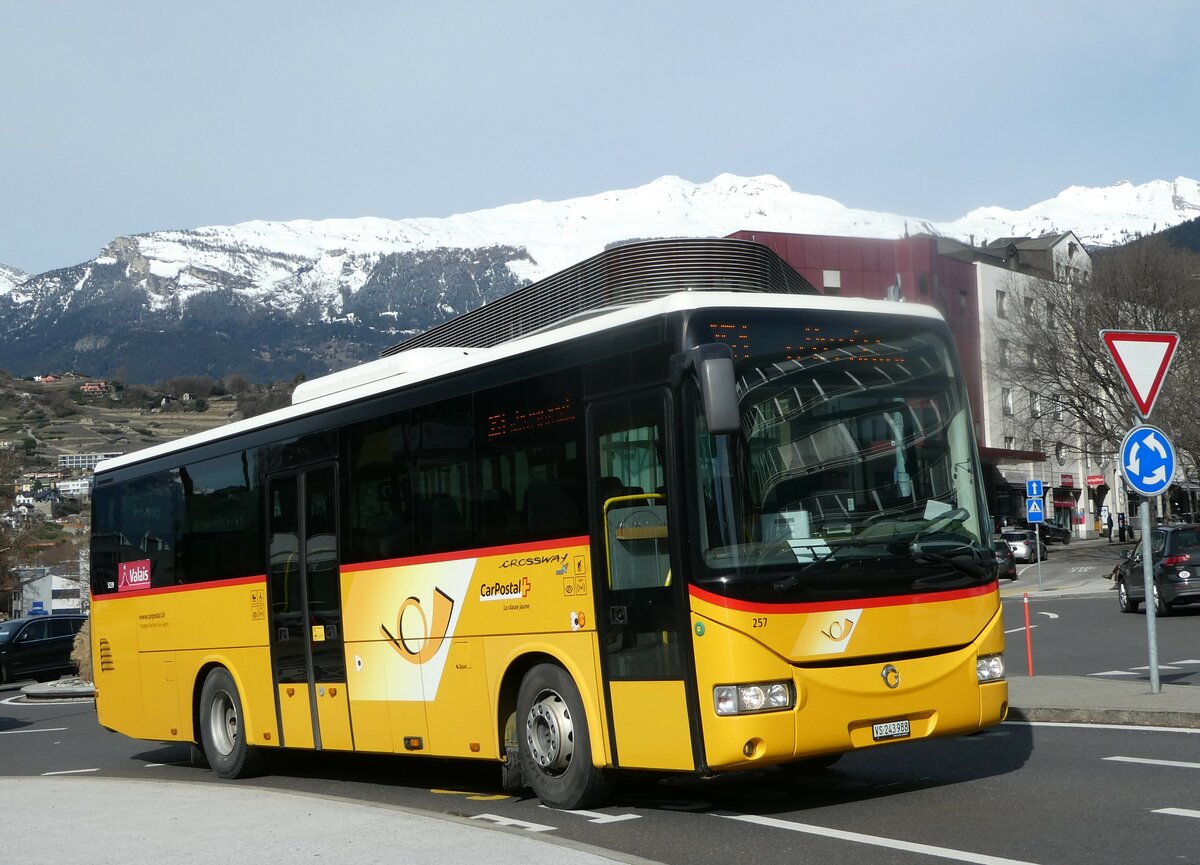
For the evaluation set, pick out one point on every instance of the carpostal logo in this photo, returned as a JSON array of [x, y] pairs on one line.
[[499, 591]]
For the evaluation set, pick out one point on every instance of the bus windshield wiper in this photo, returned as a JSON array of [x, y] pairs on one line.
[[968, 568], [790, 582]]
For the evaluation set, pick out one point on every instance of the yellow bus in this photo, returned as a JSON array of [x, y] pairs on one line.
[[669, 509]]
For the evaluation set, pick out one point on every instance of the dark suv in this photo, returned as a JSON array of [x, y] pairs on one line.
[[1052, 531], [1175, 564], [38, 647]]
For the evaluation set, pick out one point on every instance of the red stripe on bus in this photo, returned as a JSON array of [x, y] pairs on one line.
[[183, 587], [457, 555], [825, 606]]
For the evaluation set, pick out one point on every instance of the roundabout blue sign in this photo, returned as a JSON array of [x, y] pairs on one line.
[[1147, 460]]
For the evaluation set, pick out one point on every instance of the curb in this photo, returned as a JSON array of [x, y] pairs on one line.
[[1106, 717], [63, 689]]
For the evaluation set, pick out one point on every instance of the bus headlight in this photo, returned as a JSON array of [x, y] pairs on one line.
[[989, 668], [755, 697]]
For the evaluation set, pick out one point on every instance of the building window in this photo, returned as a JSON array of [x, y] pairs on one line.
[[1010, 443], [1035, 404], [1058, 407], [1060, 452], [1005, 358], [1000, 305], [1036, 445], [832, 281], [1006, 400]]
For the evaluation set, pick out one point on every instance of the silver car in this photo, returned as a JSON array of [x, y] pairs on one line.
[[1024, 544]]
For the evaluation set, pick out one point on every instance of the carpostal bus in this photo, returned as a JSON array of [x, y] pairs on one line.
[[667, 510]]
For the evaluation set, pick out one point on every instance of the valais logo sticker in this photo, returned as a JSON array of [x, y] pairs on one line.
[[132, 576]]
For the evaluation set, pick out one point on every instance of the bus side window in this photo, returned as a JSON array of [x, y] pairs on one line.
[[551, 508]]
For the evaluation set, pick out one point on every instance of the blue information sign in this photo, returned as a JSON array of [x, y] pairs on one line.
[[1147, 460], [1035, 511], [1033, 490]]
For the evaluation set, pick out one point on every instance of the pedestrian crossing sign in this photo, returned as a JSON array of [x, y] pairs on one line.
[[1034, 512]]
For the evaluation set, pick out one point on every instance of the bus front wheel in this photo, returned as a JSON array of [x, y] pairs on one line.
[[555, 747], [223, 728]]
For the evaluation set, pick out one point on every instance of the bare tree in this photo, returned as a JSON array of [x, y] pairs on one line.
[[1065, 370]]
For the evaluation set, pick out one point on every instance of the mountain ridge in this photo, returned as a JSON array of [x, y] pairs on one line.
[[270, 299]]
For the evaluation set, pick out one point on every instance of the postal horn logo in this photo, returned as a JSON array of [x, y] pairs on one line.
[[839, 629], [416, 639]]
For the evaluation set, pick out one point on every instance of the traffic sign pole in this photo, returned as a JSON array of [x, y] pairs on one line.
[[1151, 612], [1148, 464], [1147, 457], [1035, 513]]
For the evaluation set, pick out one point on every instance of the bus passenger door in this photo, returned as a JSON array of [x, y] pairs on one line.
[[306, 611], [640, 619]]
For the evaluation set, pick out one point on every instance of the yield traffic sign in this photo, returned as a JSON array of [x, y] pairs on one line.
[[1142, 357]]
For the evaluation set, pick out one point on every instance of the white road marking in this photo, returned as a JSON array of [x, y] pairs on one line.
[[1049, 615], [1179, 764], [1177, 812], [72, 772], [1080, 726], [874, 840], [1192, 661], [1160, 666], [518, 824], [1018, 630], [39, 730], [1114, 673], [595, 816]]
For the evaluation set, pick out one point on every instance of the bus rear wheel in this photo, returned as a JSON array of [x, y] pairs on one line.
[[223, 729], [555, 747]]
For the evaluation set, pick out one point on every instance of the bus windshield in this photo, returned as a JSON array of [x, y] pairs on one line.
[[855, 472]]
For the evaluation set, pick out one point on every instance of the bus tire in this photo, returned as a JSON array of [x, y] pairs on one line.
[[223, 729], [554, 743]]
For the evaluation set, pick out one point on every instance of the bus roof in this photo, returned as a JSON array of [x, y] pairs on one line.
[[405, 369]]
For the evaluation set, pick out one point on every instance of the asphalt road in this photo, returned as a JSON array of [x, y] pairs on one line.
[[1076, 628], [1043, 794]]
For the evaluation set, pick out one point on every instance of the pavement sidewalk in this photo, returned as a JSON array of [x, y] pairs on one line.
[[122, 821]]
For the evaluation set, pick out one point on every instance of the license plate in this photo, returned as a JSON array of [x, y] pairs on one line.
[[891, 730]]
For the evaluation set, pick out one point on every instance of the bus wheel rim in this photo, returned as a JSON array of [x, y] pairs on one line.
[[550, 733], [223, 723]]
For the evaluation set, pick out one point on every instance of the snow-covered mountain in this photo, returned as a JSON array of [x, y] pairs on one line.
[[272, 298], [10, 278]]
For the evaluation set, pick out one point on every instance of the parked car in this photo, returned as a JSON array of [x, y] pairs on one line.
[[1024, 544], [1006, 562], [1055, 532], [1052, 531], [37, 647], [1174, 564]]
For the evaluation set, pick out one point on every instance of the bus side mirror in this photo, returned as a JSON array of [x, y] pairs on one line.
[[713, 365]]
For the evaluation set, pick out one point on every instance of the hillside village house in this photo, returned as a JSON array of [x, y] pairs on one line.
[[968, 284]]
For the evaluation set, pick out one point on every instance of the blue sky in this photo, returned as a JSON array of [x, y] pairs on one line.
[[127, 117]]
